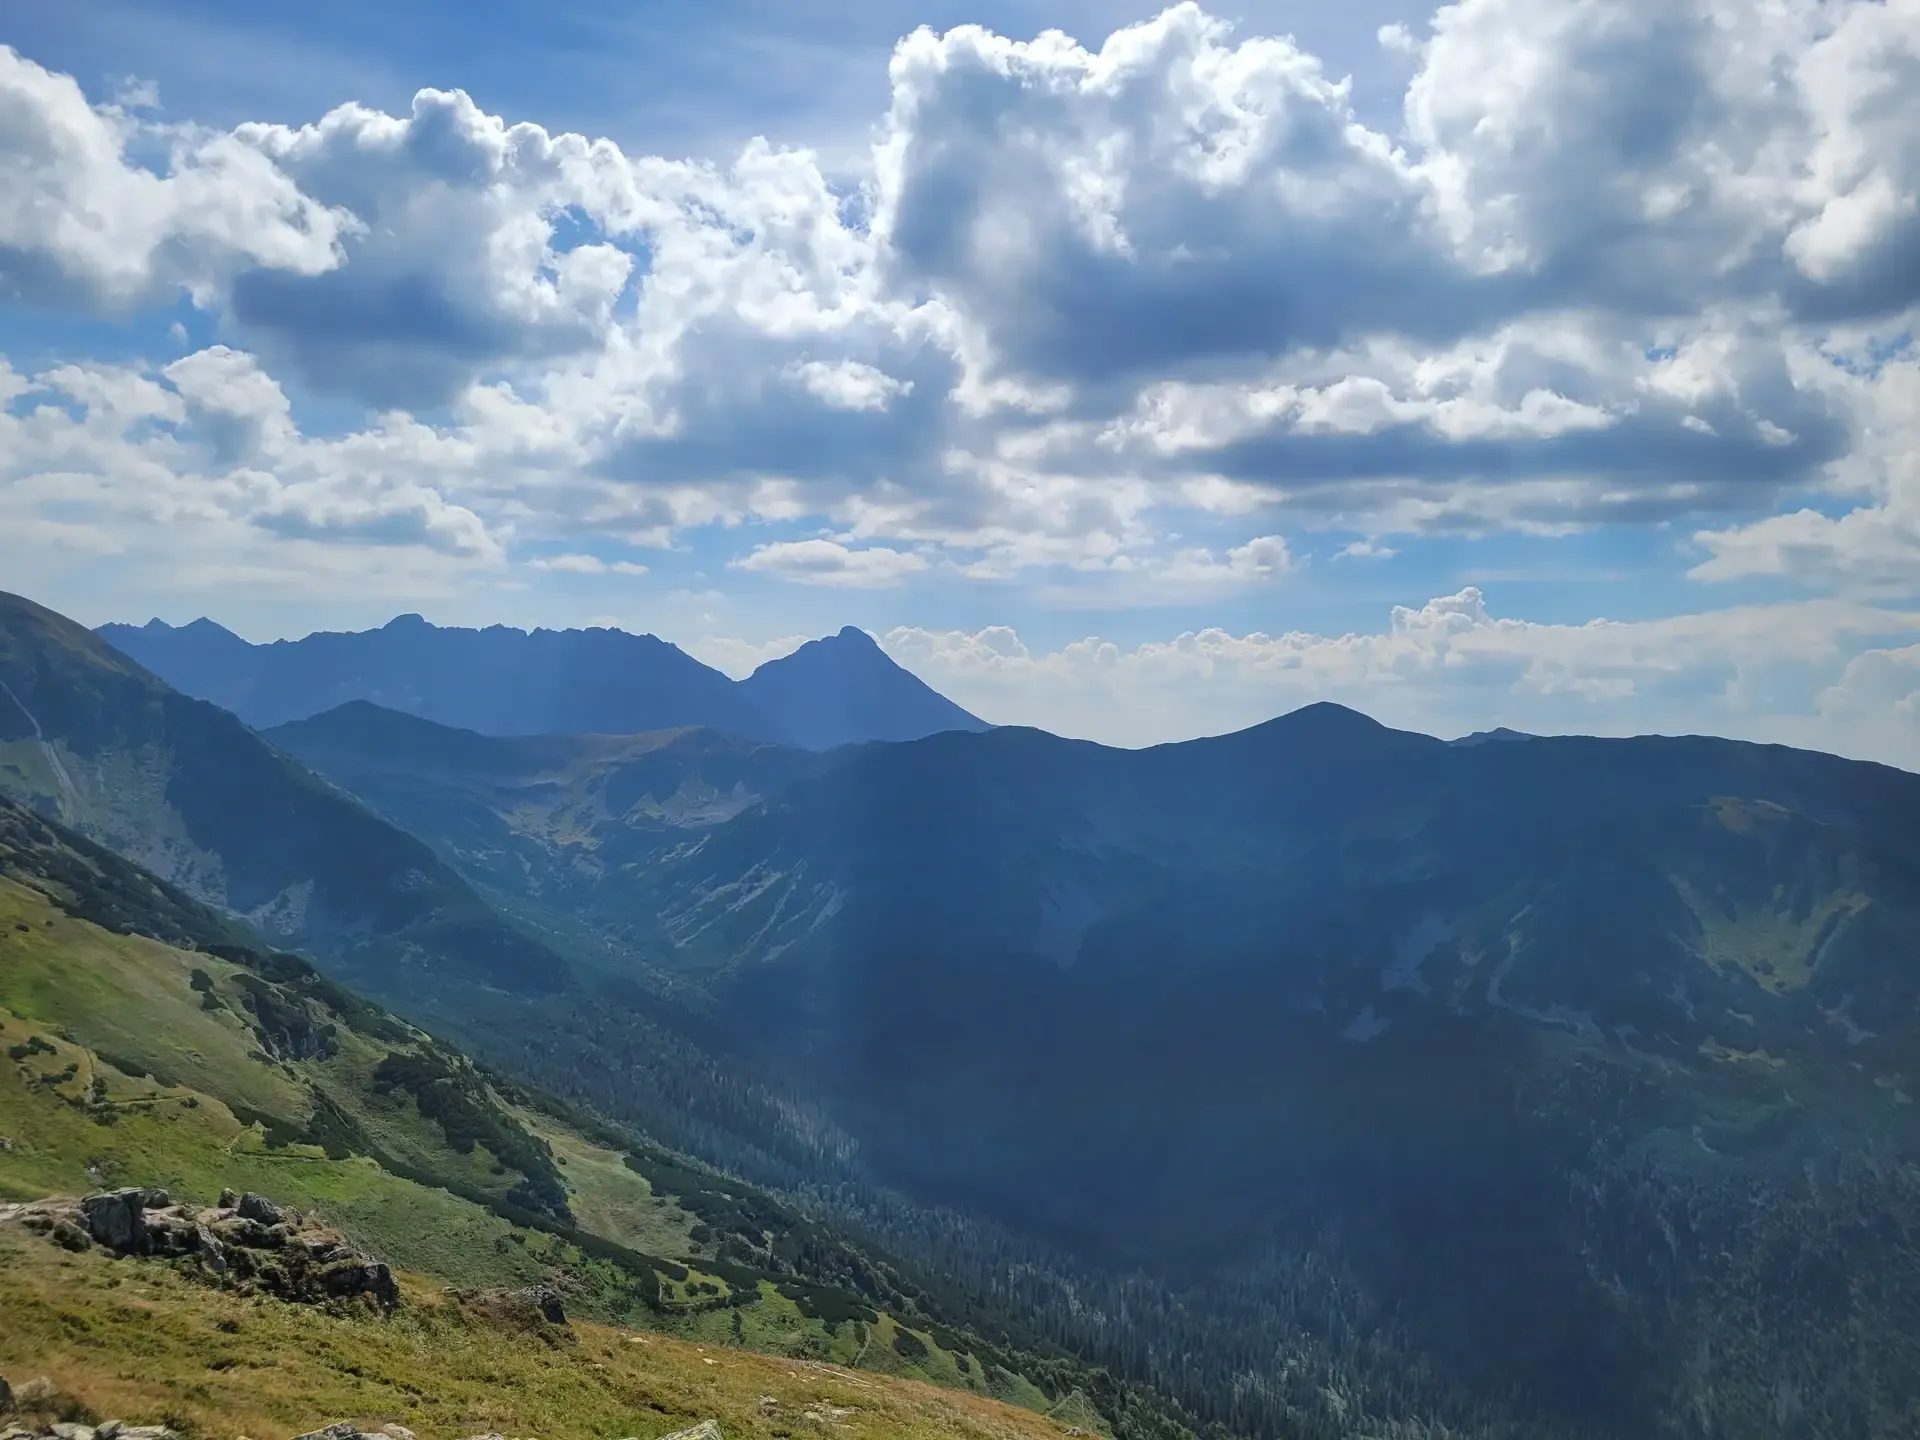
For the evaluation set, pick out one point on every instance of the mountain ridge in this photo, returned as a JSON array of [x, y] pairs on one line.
[[504, 681]]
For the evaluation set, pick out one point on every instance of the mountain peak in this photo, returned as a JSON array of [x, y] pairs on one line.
[[1500, 734], [844, 688]]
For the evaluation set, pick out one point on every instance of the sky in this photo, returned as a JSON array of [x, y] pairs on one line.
[[1137, 374]]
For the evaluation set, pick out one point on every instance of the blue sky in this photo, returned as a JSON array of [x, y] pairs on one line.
[[1510, 361]]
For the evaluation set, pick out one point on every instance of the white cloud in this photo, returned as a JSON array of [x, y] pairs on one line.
[[81, 219], [849, 385], [1875, 545], [1878, 684], [200, 468], [740, 658], [1449, 666], [1191, 261], [1367, 549], [828, 562], [577, 564]]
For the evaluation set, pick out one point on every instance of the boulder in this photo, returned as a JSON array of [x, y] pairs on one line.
[[547, 1301], [339, 1430], [114, 1219], [212, 1253], [259, 1208]]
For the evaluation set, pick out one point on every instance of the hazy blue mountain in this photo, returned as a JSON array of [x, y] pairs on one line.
[[499, 680], [555, 827], [1584, 1068], [502, 681], [844, 689], [1498, 735], [181, 787]]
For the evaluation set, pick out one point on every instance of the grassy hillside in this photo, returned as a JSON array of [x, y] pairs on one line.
[[141, 1340], [182, 1058]]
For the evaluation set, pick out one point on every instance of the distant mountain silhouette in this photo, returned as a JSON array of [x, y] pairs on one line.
[[499, 681], [503, 681], [1498, 735], [844, 689]]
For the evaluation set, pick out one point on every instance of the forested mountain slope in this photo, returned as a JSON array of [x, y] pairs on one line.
[[151, 1042], [1551, 1051]]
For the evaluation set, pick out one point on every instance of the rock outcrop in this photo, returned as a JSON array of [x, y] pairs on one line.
[[68, 1430], [347, 1430], [246, 1241]]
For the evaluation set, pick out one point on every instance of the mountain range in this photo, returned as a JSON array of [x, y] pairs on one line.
[[503, 681], [1321, 1079]]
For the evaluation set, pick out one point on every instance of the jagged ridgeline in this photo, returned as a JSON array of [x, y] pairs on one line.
[[151, 1041]]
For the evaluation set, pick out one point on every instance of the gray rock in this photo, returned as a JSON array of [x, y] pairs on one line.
[[67, 1430], [259, 1208], [228, 1199], [212, 1253], [148, 1432], [114, 1219], [112, 1430], [705, 1430], [339, 1430], [396, 1432]]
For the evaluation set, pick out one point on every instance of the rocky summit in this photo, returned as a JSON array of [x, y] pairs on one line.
[[245, 1241]]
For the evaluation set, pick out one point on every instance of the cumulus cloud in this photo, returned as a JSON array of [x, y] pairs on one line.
[[577, 564], [203, 456], [849, 385], [1875, 544], [83, 222], [1451, 665], [1878, 684], [740, 658], [1583, 267], [828, 562]]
